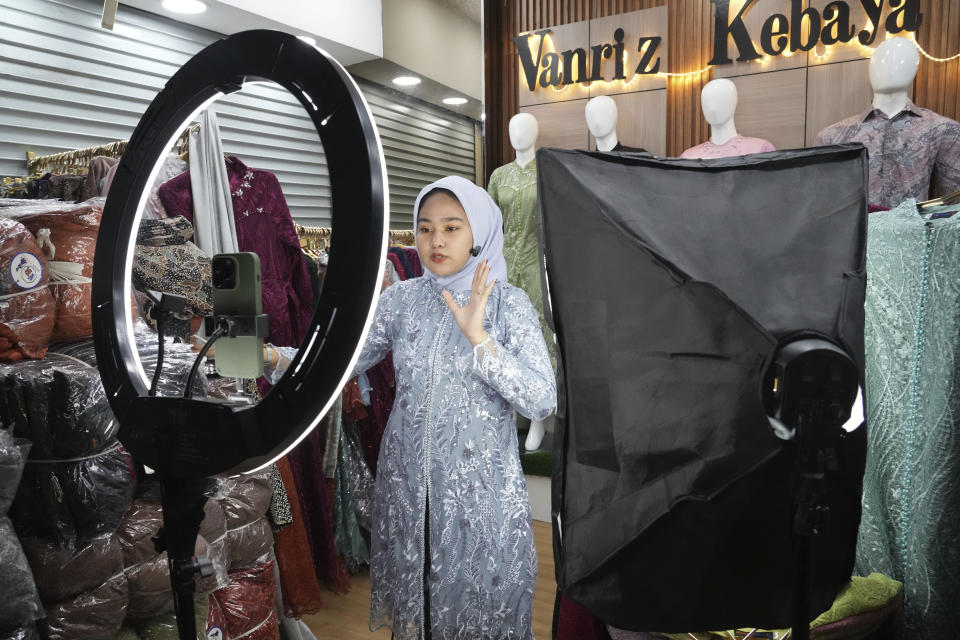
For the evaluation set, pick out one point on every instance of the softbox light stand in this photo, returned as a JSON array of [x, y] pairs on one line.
[[673, 287], [184, 440]]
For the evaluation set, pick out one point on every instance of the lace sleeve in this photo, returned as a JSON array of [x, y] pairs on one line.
[[517, 364]]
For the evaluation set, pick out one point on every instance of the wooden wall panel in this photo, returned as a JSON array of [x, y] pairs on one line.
[[772, 106], [826, 104], [937, 85], [638, 121], [560, 125]]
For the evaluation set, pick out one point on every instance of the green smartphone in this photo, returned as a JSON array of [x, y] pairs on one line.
[[237, 292]]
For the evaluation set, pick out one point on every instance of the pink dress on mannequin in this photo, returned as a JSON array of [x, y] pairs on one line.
[[735, 146]]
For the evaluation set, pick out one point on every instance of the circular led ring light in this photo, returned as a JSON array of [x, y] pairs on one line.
[[195, 438]]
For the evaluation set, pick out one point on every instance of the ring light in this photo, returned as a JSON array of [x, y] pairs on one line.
[[182, 438]]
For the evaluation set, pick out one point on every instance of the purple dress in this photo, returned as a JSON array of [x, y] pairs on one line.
[[265, 227]]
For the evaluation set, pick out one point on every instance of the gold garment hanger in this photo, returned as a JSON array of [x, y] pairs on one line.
[[939, 201]]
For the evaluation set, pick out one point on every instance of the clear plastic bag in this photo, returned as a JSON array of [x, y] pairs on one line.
[[27, 307], [245, 501], [62, 574], [27, 632], [246, 609], [165, 627], [19, 601], [73, 231], [59, 405], [74, 501], [92, 615], [147, 571]]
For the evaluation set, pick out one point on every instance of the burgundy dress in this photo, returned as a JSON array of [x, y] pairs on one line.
[[265, 227]]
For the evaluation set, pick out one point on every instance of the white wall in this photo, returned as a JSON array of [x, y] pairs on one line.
[[354, 23], [435, 40]]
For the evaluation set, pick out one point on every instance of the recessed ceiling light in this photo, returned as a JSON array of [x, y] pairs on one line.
[[308, 40], [454, 101], [184, 6], [406, 81]]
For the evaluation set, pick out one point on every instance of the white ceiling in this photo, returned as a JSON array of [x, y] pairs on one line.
[[469, 8], [350, 35]]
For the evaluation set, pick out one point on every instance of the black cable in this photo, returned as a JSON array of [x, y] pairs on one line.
[[156, 372], [219, 333]]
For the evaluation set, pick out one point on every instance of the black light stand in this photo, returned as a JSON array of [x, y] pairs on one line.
[[809, 391]]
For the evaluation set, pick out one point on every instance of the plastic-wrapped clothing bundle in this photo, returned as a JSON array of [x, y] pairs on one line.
[[165, 627], [93, 615], [61, 574], [27, 308], [245, 608], [59, 405], [19, 602], [177, 361], [147, 572], [77, 500], [23, 633], [73, 231], [213, 529], [245, 503]]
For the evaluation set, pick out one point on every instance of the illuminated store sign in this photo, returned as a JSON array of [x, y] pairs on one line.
[[805, 28]]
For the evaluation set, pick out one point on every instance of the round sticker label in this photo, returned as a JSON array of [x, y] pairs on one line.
[[26, 270], [215, 633]]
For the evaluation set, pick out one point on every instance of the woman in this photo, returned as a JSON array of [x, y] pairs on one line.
[[453, 539]]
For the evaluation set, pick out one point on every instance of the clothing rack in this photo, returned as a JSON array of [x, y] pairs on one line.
[[75, 161], [314, 237]]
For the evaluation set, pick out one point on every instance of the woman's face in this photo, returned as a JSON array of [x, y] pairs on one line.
[[444, 237]]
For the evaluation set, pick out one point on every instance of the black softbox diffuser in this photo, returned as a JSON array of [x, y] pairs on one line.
[[671, 285]]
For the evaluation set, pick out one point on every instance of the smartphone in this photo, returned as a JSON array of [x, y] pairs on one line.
[[237, 292]]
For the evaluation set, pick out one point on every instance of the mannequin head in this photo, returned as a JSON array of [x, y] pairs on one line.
[[523, 131], [894, 65], [719, 101], [601, 114]]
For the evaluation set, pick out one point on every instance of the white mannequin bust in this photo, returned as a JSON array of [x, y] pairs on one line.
[[523, 130], [601, 114], [892, 70], [718, 100]]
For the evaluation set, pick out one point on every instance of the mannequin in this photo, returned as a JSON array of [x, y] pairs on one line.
[[601, 115], [718, 100], [514, 188], [914, 152]]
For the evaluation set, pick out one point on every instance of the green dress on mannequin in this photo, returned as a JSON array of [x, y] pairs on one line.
[[514, 189], [911, 489]]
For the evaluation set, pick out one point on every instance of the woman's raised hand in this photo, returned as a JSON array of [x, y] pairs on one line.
[[470, 316]]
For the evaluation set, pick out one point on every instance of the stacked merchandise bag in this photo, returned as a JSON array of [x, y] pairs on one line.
[[77, 485], [27, 308], [246, 607], [149, 610], [19, 603], [68, 233]]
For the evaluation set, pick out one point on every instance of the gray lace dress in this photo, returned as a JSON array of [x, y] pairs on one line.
[[451, 436]]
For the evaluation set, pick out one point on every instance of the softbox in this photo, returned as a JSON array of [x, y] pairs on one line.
[[671, 284]]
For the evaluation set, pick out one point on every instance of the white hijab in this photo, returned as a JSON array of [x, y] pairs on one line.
[[486, 222]]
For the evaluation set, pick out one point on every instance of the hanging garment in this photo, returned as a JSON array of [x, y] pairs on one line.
[[97, 171], [210, 189], [264, 226], [667, 473], [514, 189], [172, 167], [298, 578], [912, 483], [736, 146], [914, 154], [452, 433]]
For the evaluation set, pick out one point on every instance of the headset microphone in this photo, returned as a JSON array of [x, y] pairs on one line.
[[475, 251]]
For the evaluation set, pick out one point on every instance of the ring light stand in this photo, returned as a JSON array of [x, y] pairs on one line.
[[187, 441]]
